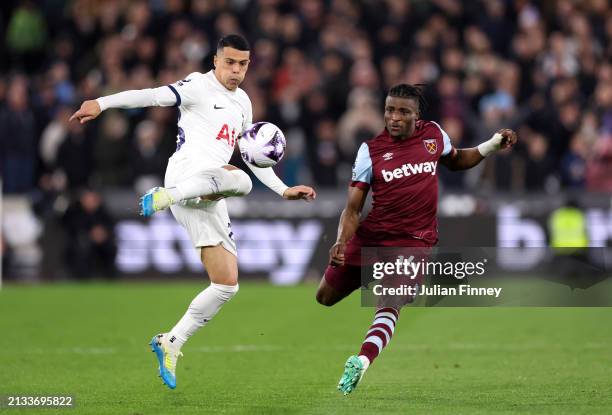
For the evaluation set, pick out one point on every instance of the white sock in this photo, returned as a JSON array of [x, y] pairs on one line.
[[210, 182], [201, 310], [365, 361]]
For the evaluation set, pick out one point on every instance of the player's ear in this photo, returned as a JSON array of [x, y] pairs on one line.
[[215, 61]]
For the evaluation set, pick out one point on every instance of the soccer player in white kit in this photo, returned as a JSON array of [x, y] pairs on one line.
[[213, 112]]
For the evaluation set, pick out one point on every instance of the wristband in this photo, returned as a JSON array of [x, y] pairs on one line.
[[491, 145]]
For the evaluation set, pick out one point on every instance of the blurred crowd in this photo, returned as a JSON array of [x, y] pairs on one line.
[[319, 69]]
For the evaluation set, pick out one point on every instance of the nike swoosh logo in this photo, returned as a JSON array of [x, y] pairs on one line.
[[218, 108]]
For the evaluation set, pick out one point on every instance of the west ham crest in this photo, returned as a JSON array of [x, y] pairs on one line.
[[430, 145]]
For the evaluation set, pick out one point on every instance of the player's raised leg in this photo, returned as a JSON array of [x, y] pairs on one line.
[[377, 338], [337, 283], [222, 269], [210, 183]]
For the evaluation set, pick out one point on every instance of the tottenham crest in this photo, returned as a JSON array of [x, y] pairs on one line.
[[430, 145]]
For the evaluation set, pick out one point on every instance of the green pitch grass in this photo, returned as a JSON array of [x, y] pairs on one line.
[[273, 350]]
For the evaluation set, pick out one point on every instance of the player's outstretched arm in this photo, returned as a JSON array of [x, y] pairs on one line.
[[138, 98], [267, 176], [349, 221], [466, 158]]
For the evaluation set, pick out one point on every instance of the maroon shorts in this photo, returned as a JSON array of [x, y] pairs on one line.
[[343, 278], [347, 278]]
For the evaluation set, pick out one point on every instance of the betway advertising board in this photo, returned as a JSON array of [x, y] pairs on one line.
[[293, 246]]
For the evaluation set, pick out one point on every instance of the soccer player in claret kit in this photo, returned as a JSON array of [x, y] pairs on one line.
[[213, 112], [400, 166]]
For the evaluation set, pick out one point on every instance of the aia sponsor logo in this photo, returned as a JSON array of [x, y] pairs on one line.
[[226, 135], [409, 169], [430, 145]]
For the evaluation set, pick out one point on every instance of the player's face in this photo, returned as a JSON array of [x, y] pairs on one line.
[[231, 66], [401, 115]]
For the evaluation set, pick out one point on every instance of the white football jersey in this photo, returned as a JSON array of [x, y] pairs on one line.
[[211, 118]]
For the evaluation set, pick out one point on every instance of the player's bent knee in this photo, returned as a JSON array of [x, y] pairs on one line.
[[243, 183], [326, 294], [224, 292], [228, 279], [325, 298], [228, 181]]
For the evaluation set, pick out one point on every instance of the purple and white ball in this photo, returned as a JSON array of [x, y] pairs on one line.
[[262, 144]]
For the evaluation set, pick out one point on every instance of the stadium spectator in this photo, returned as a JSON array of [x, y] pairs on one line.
[[539, 166], [73, 162], [26, 36], [90, 244], [18, 139], [573, 164], [361, 121], [325, 153], [111, 152], [147, 159], [53, 136], [599, 169]]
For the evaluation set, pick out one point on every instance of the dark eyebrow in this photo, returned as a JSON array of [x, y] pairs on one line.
[[234, 60]]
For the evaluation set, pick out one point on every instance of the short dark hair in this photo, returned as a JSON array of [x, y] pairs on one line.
[[233, 41], [409, 91]]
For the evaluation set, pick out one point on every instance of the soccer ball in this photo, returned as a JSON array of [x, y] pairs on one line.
[[262, 144]]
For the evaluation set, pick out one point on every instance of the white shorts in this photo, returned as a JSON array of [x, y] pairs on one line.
[[206, 222]]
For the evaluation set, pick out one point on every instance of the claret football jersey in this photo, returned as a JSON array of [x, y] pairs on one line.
[[402, 175]]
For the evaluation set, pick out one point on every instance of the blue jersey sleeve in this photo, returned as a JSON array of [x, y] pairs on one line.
[[448, 146], [362, 169]]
